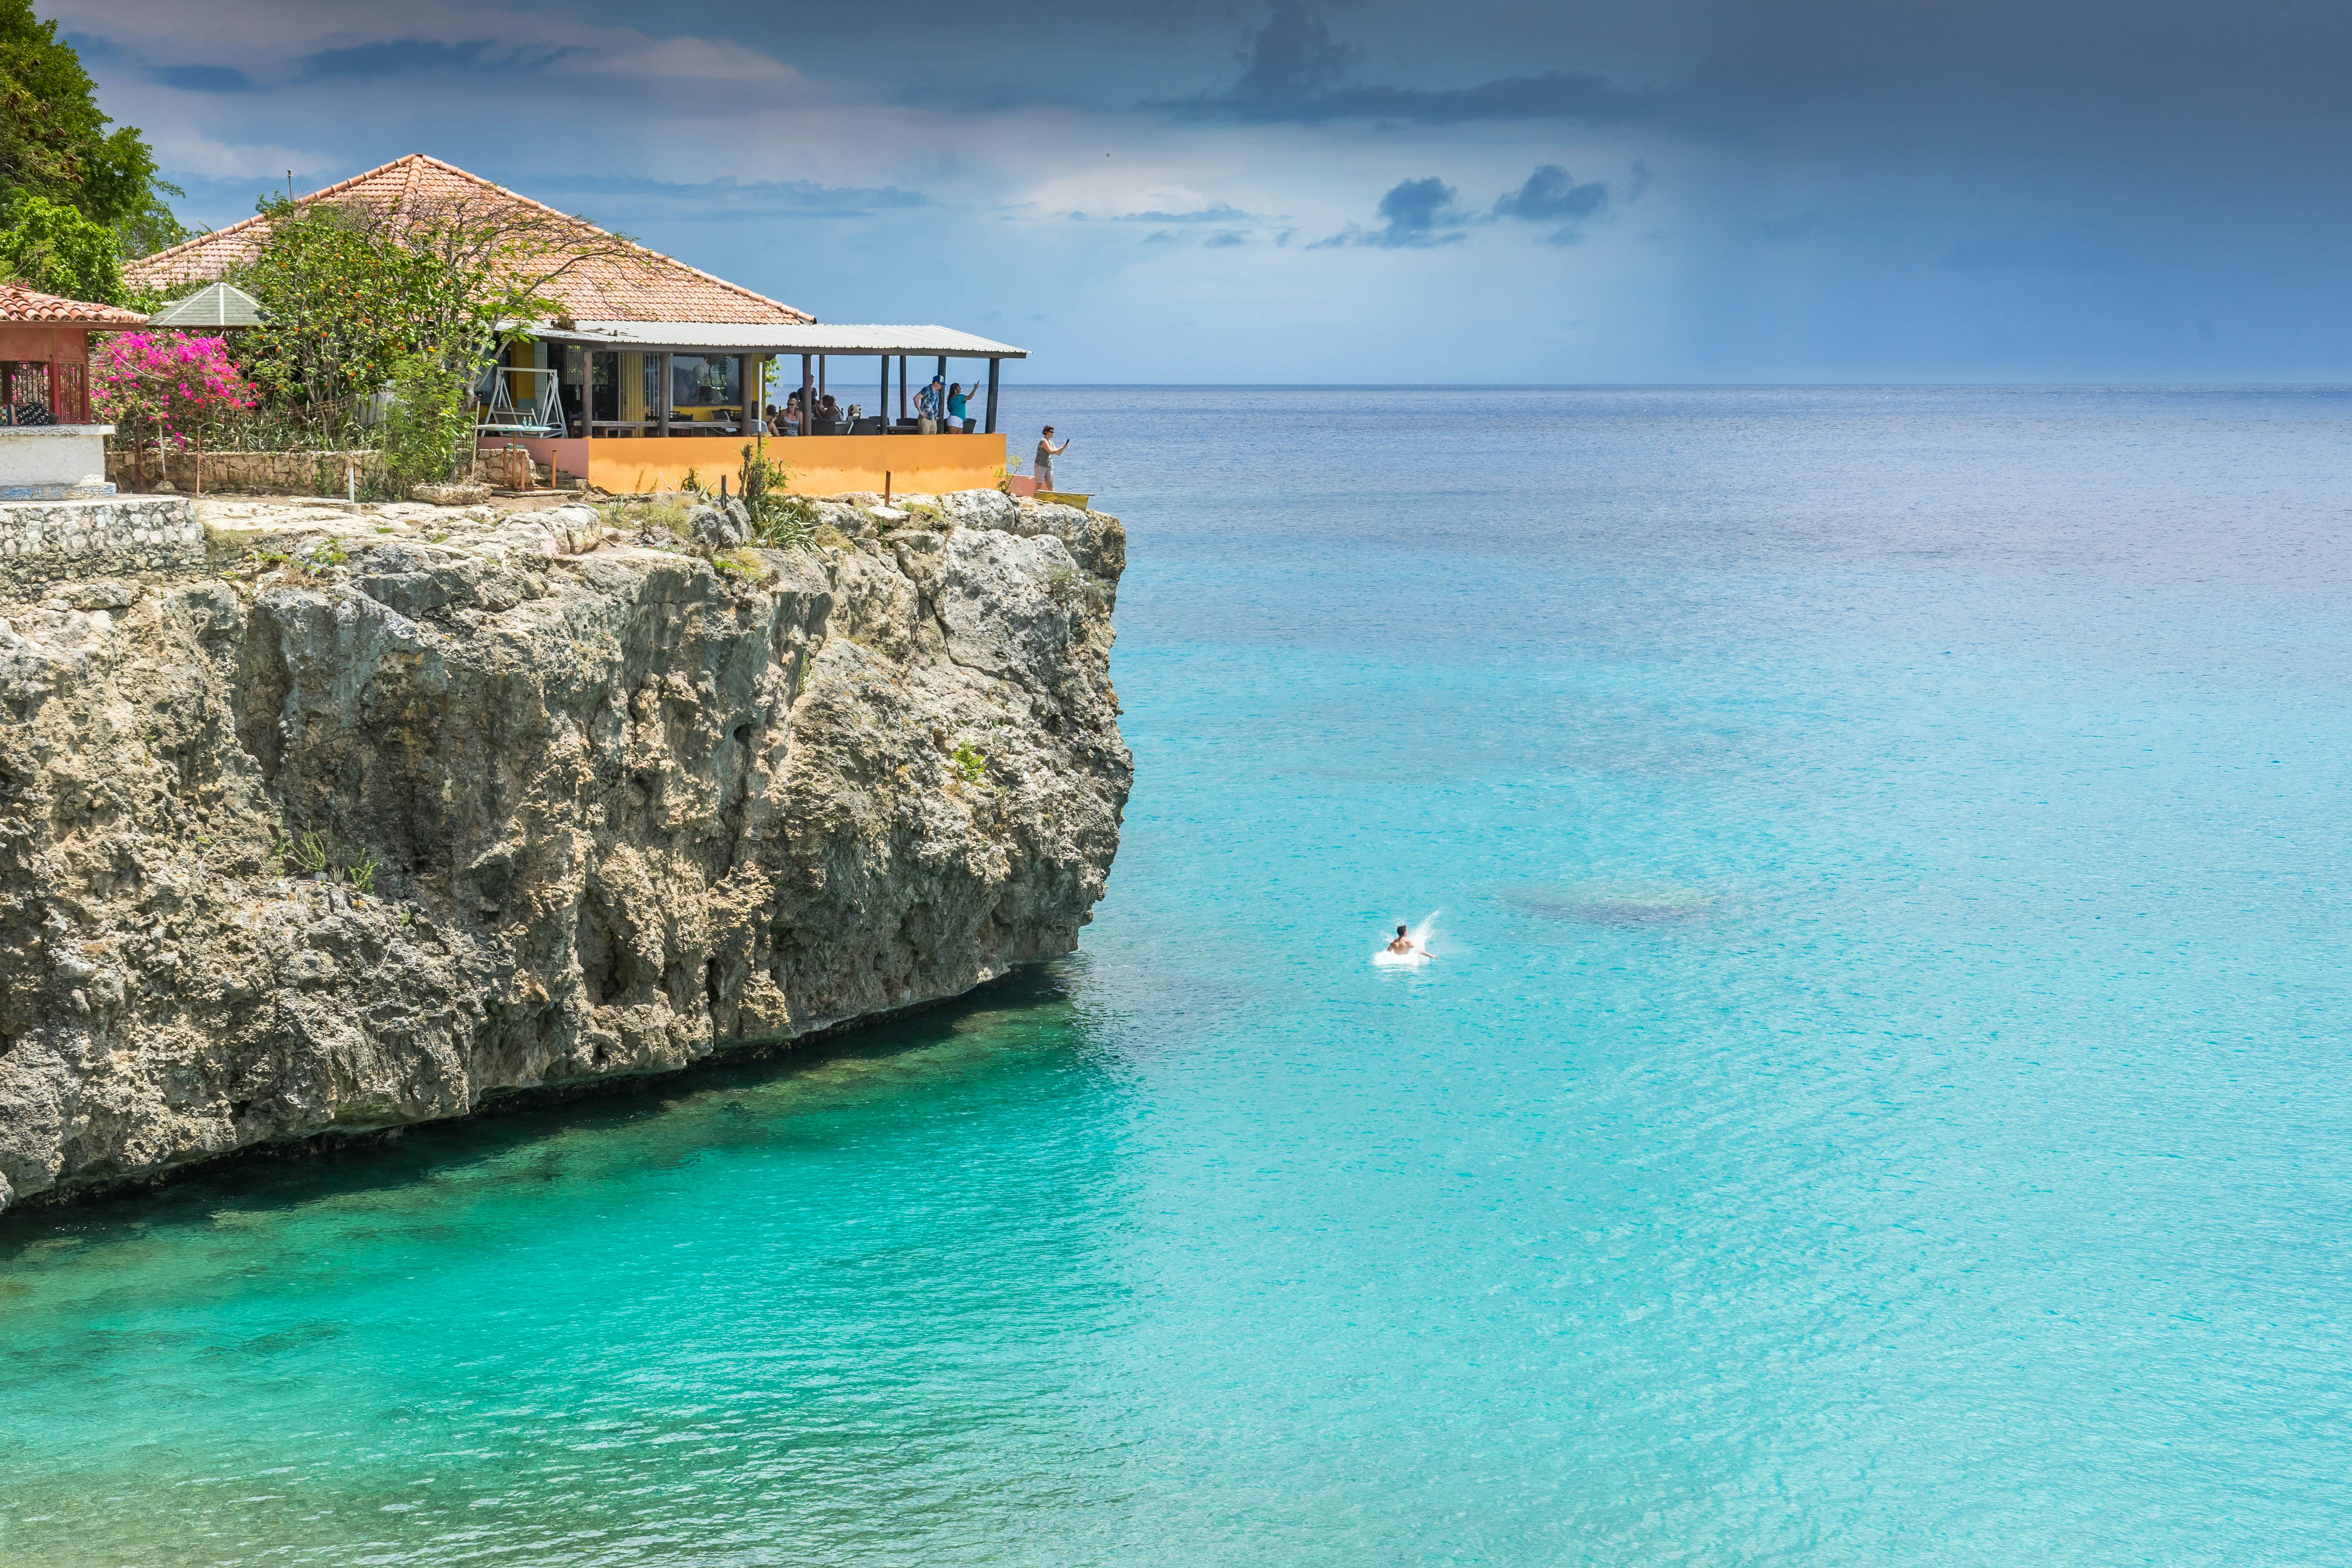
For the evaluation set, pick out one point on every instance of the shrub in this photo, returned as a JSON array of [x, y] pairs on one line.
[[971, 763], [427, 423], [1071, 588], [665, 514], [165, 387], [307, 854], [779, 518]]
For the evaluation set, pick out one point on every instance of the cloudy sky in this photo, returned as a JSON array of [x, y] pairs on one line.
[[1486, 191]]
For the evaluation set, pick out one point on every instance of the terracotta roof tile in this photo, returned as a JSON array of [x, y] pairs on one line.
[[639, 285], [18, 303]]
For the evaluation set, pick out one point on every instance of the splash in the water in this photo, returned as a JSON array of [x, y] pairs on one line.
[[1416, 951]]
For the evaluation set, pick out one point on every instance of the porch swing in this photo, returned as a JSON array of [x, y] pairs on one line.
[[545, 415]]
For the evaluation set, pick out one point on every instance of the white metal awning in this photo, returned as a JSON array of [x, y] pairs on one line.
[[813, 338]]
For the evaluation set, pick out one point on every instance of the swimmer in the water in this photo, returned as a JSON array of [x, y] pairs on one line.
[[1403, 943]]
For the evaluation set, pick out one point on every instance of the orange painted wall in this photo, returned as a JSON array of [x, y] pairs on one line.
[[819, 464]]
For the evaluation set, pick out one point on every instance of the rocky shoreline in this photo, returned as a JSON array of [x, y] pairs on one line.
[[385, 811]]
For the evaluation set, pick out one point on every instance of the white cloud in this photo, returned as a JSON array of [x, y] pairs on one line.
[[202, 155], [694, 59]]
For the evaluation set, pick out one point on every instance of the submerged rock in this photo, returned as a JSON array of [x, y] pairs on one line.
[[411, 822]]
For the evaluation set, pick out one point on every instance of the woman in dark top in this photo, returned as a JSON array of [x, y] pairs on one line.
[[1047, 453]]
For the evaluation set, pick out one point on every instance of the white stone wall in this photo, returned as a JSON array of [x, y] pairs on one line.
[[47, 542], [48, 460]]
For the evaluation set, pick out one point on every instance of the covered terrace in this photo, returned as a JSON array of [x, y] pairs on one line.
[[619, 404]]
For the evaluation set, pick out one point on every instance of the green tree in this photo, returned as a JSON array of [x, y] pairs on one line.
[[427, 423], [58, 250], [54, 140], [343, 307], [350, 290]]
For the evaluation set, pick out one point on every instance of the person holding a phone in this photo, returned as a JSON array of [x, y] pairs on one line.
[[1047, 453]]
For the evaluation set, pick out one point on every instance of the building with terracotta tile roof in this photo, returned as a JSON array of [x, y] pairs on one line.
[[49, 451], [622, 282], [31, 307], [644, 349], [44, 354]]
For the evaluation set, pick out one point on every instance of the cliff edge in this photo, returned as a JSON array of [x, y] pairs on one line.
[[388, 812]]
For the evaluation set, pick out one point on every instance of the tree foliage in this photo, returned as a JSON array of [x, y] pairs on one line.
[[58, 250], [55, 142], [342, 308], [351, 289], [428, 422]]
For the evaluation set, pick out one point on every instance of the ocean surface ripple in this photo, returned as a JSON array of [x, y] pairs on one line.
[[1880, 1099]]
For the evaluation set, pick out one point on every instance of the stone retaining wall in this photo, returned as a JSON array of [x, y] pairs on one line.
[[252, 473], [47, 541]]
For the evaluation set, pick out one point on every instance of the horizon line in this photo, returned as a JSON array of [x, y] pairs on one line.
[[2105, 386]]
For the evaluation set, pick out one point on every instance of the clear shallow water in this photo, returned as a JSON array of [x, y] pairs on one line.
[[1882, 1099]]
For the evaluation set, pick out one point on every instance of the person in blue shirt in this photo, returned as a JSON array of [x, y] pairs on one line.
[[927, 406], [960, 405]]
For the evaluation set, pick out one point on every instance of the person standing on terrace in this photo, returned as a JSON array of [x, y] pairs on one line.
[[1047, 453], [927, 406], [958, 407]]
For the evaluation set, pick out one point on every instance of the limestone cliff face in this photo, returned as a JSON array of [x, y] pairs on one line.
[[626, 809]]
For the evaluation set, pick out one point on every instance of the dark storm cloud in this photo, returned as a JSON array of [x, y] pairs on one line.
[[1930, 72], [1415, 214], [1294, 56], [1296, 69], [1551, 195]]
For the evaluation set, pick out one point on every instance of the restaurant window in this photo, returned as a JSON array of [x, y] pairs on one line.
[[705, 381]]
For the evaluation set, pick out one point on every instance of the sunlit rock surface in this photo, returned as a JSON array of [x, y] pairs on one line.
[[398, 808]]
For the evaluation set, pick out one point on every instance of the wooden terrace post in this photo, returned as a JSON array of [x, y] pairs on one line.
[[820, 378], [665, 391], [902, 387], [808, 403], [882, 398], [995, 365], [743, 394]]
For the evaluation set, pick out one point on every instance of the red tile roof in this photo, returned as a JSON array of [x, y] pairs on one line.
[[18, 303], [633, 285]]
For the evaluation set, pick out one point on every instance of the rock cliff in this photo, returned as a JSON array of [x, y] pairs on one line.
[[404, 810]]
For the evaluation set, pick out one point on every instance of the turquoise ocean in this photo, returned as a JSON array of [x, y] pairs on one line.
[[1882, 1096]]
